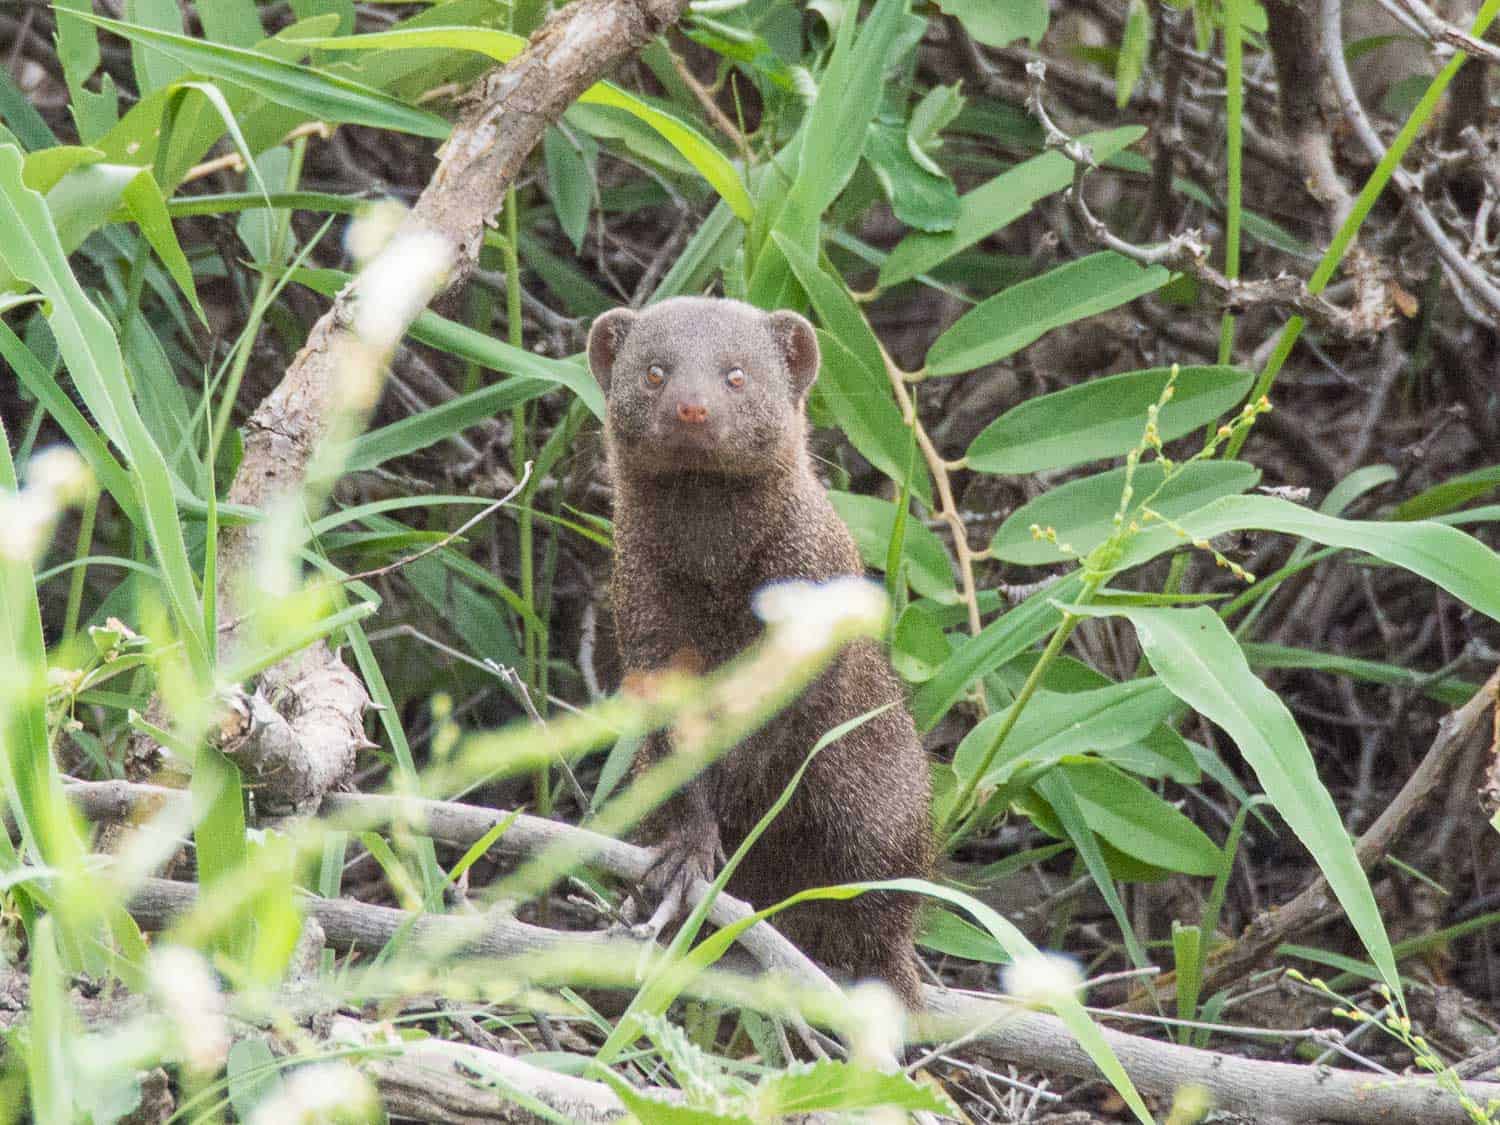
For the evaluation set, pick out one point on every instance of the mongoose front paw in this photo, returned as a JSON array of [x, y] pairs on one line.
[[678, 861]]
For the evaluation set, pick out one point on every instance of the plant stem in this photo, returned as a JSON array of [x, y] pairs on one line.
[[520, 453], [1234, 57], [1054, 648]]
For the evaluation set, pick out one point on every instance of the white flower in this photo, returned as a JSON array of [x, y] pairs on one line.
[[26, 521], [397, 284], [806, 617], [191, 999], [877, 1024], [317, 1093], [59, 473], [372, 228], [1042, 979]]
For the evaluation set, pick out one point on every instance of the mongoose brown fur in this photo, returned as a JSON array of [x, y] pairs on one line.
[[715, 497]]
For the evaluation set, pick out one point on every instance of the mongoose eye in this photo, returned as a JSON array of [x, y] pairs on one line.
[[735, 378], [655, 375]]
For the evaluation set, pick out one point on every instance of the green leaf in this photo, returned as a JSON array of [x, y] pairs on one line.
[[920, 194], [571, 181], [918, 645], [1055, 725], [866, 410], [836, 309], [999, 23], [467, 343], [1443, 555], [1453, 493], [1134, 43], [1103, 418], [94, 112], [32, 252], [502, 46], [253, 1075], [1198, 660], [938, 109], [830, 1084], [143, 199], [872, 522], [1138, 822], [947, 933], [999, 642], [153, 70], [324, 96], [1083, 511], [1010, 320], [997, 203]]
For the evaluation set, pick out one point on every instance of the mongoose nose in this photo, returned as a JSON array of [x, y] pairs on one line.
[[693, 412]]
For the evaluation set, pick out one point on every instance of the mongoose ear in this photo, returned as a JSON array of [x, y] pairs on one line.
[[799, 347], [605, 339]]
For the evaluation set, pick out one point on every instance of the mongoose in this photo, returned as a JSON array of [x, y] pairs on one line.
[[715, 496]]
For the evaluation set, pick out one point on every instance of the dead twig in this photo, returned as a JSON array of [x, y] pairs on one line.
[[1186, 252]]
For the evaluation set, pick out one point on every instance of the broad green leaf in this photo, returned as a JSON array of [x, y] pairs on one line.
[[918, 645], [153, 70], [836, 310], [1197, 659], [920, 196], [571, 181], [995, 204], [999, 23], [999, 642], [1443, 555], [1138, 822], [1103, 418], [872, 522], [143, 199], [1054, 725], [826, 150], [1010, 320], [502, 46], [833, 135], [866, 410], [831, 1084], [1083, 511], [938, 109], [45, 167], [947, 933], [94, 112], [235, 22], [32, 252], [252, 1074], [325, 96]]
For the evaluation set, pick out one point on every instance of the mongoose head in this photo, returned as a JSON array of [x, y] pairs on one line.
[[706, 385]]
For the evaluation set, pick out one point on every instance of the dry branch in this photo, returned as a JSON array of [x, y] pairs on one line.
[[1271, 1093], [1262, 1091], [460, 825], [509, 110], [1025, 1038]]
